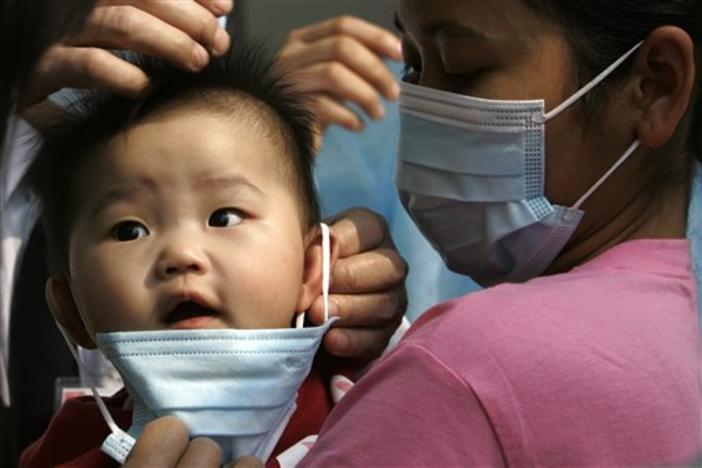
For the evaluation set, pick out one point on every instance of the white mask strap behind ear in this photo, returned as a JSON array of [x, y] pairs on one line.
[[118, 444], [326, 276]]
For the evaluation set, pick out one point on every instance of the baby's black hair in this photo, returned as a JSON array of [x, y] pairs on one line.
[[241, 85]]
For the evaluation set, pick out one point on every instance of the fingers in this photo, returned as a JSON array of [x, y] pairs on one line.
[[161, 444], [347, 51], [368, 285], [201, 452], [197, 20], [130, 28], [336, 79], [217, 7], [86, 67], [358, 342], [340, 61], [245, 462], [377, 270], [363, 310], [330, 111], [374, 37], [181, 32], [359, 230]]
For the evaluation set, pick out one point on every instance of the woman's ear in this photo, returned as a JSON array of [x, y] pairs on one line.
[[312, 272], [665, 65], [63, 306]]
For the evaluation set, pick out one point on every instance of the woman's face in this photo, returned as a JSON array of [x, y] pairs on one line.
[[505, 50]]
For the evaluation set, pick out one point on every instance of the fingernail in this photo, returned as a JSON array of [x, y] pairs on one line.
[[379, 112], [394, 91], [398, 50], [200, 57], [223, 6], [221, 42]]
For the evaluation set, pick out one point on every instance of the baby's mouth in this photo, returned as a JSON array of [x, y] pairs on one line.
[[190, 314]]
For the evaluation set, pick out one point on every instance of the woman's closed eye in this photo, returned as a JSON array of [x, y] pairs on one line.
[[225, 217], [411, 74], [126, 231]]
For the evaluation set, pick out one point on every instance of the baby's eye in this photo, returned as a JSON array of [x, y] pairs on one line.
[[129, 230], [225, 217]]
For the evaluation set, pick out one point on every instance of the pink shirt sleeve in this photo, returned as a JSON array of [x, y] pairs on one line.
[[411, 409]]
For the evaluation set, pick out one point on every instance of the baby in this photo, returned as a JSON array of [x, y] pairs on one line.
[[188, 221]]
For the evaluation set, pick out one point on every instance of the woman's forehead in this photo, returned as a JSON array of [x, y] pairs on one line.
[[493, 19]]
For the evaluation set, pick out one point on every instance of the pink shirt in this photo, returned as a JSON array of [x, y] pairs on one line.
[[599, 366]]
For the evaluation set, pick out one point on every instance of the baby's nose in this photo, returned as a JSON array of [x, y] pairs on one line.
[[181, 259]]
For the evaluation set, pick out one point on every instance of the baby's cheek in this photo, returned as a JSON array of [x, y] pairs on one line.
[[108, 300]]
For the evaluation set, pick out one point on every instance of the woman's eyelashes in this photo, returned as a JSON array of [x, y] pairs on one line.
[[411, 74], [129, 230], [226, 217]]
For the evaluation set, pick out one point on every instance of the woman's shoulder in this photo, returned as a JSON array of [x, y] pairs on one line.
[[614, 302]]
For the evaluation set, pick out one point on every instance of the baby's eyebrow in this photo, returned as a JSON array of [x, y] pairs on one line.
[[226, 182], [119, 193]]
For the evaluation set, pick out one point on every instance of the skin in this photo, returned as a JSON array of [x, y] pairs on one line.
[[502, 50], [337, 62], [369, 274], [165, 227], [367, 291], [340, 61], [510, 57], [184, 33]]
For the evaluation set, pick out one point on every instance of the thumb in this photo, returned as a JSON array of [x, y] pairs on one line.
[[245, 462]]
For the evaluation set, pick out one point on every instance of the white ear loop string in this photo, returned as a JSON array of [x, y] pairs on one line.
[[326, 273], [604, 178], [119, 443], [326, 268], [101, 404], [565, 104]]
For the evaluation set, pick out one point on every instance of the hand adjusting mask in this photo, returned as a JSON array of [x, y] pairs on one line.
[[237, 387]]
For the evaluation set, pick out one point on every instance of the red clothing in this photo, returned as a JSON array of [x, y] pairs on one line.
[[77, 431]]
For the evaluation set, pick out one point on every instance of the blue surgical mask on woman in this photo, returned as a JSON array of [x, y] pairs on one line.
[[470, 172]]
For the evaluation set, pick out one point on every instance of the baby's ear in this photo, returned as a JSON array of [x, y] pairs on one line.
[[312, 273], [63, 306]]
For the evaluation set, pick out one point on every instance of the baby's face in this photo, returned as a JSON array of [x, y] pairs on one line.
[[190, 223]]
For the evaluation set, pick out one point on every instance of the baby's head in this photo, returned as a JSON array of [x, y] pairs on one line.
[[191, 208]]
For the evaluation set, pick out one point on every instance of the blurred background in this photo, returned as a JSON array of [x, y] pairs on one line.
[[271, 20]]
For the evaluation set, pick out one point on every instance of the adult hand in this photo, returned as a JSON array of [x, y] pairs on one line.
[[339, 61], [245, 462], [367, 287], [184, 33], [165, 442]]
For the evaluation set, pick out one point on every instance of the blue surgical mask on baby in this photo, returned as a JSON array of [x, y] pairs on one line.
[[470, 172], [237, 387]]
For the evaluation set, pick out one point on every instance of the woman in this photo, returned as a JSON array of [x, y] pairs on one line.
[[585, 349]]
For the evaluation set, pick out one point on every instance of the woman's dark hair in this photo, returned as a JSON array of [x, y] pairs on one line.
[[600, 31], [241, 85], [27, 29]]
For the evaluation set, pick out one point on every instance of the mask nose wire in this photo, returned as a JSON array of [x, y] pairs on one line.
[[585, 89]]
